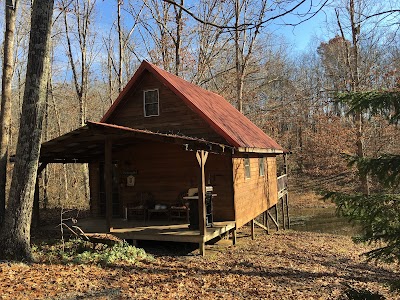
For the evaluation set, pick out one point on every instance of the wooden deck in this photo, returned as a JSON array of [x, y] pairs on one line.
[[155, 230]]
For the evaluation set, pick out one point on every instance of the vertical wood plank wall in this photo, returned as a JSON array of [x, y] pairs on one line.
[[175, 116], [94, 184], [165, 170], [256, 194]]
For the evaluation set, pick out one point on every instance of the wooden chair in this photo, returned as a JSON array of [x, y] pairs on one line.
[[138, 209], [180, 210]]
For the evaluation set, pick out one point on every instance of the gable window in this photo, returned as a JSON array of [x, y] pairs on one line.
[[150, 103], [247, 168], [261, 166]]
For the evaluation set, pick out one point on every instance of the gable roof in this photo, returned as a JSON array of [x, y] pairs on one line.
[[226, 120]]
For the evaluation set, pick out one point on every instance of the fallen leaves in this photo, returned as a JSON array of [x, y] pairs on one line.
[[288, 265]]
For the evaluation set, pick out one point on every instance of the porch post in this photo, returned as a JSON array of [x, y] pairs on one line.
[[286, 198], [35, 212], [108, 180], [253, 234], [36, 209], [202, 158], [285, 163]]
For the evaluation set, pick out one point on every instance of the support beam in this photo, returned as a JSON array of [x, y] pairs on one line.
[[285, 163], [234, 236], [273, 220], [36, 207], [283, 212], [276, 217], [36, 213], [253, 236], [287, 210], [202, 156], [108, 180], [261, 225]]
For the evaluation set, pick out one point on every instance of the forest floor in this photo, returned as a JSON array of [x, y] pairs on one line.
[[282, 265]]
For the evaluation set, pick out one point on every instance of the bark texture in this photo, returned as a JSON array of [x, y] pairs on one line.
[[6, 94], [15, 234]]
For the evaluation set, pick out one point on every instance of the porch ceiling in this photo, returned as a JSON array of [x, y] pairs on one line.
[[86, 143]]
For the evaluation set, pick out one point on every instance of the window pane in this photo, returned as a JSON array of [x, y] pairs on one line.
[[151, 107], [151, 97], [261, 165], [247, 168]]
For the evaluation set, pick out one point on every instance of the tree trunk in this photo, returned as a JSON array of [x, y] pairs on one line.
[[120, 46], [364, 186], [15, 234], [5, 110], [354, 77], [83, 18], [179, 25], [238, 60]]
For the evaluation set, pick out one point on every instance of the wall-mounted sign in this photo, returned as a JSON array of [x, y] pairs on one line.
[[130, 180]]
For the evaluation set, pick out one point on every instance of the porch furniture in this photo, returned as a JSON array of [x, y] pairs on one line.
[[194, 207], [159, 210], [180, 210], [138, 208]]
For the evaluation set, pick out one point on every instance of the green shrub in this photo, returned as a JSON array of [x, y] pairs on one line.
[[81, 252]]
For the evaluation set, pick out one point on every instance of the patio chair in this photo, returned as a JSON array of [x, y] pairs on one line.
[[138, 208], [180, 210]]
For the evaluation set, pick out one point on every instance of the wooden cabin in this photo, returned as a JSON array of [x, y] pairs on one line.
[[161, 137]]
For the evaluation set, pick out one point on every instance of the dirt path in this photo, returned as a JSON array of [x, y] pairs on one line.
[[285, 265]]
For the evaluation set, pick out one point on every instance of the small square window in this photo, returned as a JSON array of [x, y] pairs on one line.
[[261, 166], [151, 105], [247, 168]]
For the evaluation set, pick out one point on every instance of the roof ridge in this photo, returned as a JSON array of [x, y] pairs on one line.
[[182, 79]]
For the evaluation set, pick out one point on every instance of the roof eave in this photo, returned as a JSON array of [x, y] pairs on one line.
[[259, 150]]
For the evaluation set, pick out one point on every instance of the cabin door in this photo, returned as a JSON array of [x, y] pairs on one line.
[[116, 205]]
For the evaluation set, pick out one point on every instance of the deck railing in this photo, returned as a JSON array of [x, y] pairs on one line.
[[282, 183]]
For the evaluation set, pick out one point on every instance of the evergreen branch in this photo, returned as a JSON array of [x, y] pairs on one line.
[[385, 103], [378, 215], [386, 168]]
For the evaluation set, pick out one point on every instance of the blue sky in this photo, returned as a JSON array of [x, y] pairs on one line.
[[298, 36]]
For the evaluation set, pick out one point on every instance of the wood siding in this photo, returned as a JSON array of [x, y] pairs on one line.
[[165, 170], [94, 183], [256, 194], [175, 116]]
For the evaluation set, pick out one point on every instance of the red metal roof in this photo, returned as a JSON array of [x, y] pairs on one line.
[[226, 120]]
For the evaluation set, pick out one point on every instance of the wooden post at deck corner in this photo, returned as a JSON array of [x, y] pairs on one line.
[[286, 199], [202, 156], [35, 222], [36, 208], [108, 180], [253, 235]]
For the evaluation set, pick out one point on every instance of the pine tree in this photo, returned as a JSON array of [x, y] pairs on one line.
[[377, 213]]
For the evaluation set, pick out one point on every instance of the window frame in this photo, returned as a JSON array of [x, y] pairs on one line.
[[145, 104], [261, 166], [247, 168]]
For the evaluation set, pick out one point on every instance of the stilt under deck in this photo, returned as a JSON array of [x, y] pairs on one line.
[[155, 231]]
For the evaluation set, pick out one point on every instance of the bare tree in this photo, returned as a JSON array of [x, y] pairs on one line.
[[352, 62], [83, 12], [15, 233], [6, 95], [245, 39]]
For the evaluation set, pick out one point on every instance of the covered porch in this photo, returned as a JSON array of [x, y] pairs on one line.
[[105, 143]]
